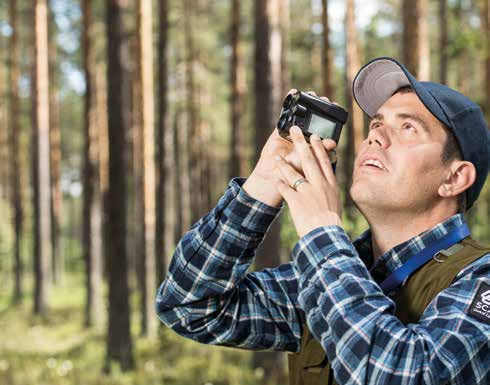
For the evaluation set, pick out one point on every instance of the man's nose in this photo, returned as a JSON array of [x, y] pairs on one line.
[[379, 136]]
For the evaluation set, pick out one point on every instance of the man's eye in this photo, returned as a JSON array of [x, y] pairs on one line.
[[408, 126], [375, 125]]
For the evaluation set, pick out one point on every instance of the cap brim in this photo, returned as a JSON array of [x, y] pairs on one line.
[[377, 81]]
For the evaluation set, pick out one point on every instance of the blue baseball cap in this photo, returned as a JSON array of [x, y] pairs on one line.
[[377, 81]]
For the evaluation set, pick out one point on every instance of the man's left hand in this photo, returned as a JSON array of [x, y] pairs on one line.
[[316, 201]]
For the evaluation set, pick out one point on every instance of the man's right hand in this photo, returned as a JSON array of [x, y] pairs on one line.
[[261, 184]]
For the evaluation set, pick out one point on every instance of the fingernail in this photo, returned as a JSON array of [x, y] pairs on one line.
[[277, 157], [296, 129], [314, 137]]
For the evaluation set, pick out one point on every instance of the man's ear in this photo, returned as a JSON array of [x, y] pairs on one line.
[[460, 176]]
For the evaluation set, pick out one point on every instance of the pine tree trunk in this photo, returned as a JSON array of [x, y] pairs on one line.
[[92, 201], [178, 182], [55, 158], [42, 212], [148, 170], [238, 138], [5, 172], [15, 133], [416, 54], [284, 25], [268, 98], [443, 41], [103, 150], [191, 106], [460, 14], [326, 54], [119, 342], [486, 26], [161, 240], [354, 128]]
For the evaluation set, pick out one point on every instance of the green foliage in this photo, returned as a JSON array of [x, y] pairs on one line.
[[56, 350]]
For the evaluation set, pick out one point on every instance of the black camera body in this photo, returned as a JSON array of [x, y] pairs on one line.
[[313, 115]]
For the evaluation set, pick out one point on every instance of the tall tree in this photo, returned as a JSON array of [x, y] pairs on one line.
[[92, 201], [268, 97], [355, 124], [327, 53], [5, 189], [238, 155], [485, 17], [119, 342], [161, 240], [191, 107], [55, 154], [443, 41], [145, 34], [416, 53], [461, 15], [41, 163], [15, 132]]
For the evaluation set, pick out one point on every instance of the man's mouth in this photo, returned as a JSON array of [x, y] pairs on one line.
[[373, 162]]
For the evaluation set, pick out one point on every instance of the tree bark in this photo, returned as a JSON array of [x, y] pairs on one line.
[[443, 41], [42, 237], [355, 125], [268, 98], [461, 16], [55, 157], [238, 138], [194, 152], [486, 25], [119, 342], [5, 165], [161, 175], [416, 53], [327, 53], [92, 201], [148, 152], [15, 133]]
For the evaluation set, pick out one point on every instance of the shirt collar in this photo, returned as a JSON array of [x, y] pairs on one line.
[[398, 255]]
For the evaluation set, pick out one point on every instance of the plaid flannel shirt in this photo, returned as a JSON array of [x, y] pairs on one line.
[[210, 297]]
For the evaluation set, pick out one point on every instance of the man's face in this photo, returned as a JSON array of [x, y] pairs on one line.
[[407, 141]]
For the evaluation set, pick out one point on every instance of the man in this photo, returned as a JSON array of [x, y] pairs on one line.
[[408, 302]]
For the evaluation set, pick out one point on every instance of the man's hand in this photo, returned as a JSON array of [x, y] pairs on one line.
[[316, 201], [261, 184]]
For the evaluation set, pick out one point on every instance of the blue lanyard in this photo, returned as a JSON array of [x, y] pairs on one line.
[[408, 268]]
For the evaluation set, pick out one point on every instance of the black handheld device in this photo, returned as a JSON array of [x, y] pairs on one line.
[[313, 115]]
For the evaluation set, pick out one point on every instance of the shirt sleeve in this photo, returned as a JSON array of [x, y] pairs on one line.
[[208, 295], [366, 343]]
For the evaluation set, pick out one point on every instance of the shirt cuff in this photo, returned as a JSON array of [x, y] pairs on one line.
[[318, 245], [247, 212]]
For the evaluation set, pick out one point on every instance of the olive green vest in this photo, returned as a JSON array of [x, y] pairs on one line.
[[310, 366]]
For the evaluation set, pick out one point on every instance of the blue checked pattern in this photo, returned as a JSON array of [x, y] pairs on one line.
[[209, 296]]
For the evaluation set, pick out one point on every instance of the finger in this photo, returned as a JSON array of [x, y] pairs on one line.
[[329, 144], [288, 174], [308, 161], [279, 176], [323, 158], [292, 91], [311, 93], [285, 190]]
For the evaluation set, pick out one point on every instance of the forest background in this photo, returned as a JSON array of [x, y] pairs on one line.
[[104, 103]]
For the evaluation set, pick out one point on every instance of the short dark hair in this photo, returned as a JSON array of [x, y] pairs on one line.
[[450, 151]]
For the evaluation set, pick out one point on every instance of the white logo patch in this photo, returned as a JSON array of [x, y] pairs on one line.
[[480, 307]]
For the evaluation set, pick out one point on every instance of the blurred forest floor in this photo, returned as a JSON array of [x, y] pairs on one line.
[[56, 349]]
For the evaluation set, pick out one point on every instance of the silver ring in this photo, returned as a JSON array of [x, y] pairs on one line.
[[297, 183]]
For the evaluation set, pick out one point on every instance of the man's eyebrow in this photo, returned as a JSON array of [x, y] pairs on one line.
[[416, 118], [377, 116]]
